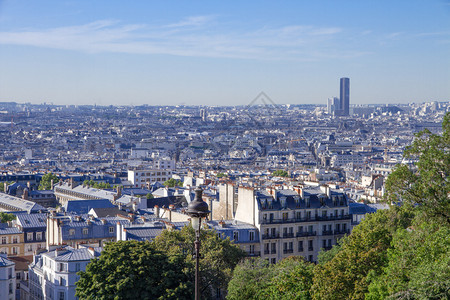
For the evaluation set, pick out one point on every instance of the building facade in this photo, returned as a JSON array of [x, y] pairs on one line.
[[345, 96], [53, 274], [297, 222]]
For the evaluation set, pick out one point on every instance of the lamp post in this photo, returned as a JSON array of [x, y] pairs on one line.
[[197, 210]]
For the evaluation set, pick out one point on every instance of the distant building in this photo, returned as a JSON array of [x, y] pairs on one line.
[[143, 178], [345, 96], [53, 274], [333, 105]]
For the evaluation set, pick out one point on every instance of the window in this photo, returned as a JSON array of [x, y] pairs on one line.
[[10, 288], [71, 231], [251, 236], [85, 230], [324, 243], [29, 247], [274, 248], [300, 246], [14, 240], [38, 236], [3, 239], [338, 227], [29, 236], [274, 260], [324, 213], [311, 258], [61, 296], [273, 232], [344, 227], [310, 246], [291, 245], [111, 229], [60, 267], [285, 216], [236, 236], [252, 249], [308, 215], [14, 250], [298, 215]]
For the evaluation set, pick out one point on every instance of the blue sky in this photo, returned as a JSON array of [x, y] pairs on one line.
[[223, 52]]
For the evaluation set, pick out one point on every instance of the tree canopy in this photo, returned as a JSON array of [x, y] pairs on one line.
[[280, 173], [255, 278], [218, 257], [6, 217], [46, 181], [172, 182], [426, 182], [97, 185], [132, 270]]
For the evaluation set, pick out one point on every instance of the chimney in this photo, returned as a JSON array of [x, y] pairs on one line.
[[119, 192], [156, 210], [51, 184], [29, 185], [25, 194]]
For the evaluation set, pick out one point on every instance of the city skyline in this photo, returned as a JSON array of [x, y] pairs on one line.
[[207, 53]]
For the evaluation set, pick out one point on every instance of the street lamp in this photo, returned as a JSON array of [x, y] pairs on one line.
[[197, 210]]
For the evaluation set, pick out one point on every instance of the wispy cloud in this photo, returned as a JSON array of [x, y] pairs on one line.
[[199, 36]]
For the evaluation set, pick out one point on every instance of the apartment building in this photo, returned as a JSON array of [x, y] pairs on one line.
[[298, 221], [53, 274]]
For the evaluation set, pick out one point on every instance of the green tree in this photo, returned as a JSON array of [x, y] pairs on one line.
[[293, 280], [255, 278], [132, 270], [46, 181], [220, 175], [172, 182], [280, 173], [251, 278], [425, 184], [218, 256], [4, 184], [149, 196], [419, 265], [363, 252], [5, 217]]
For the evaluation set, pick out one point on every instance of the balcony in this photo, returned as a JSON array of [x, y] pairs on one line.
[[270, 236], [331, 218], [287, 251], [327, 232], [306, 233], [342, 231], [266, 251], [286, 221], [288, 235], [274, 251], [300, 249], [310, 248]]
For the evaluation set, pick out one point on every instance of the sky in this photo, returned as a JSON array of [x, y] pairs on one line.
[[223, 52]]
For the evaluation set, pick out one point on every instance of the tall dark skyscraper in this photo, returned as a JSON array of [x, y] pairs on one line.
[[345, 96]]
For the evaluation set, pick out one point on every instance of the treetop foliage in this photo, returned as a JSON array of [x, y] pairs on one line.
[[172, 182], [46, 181], [280, 173]]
